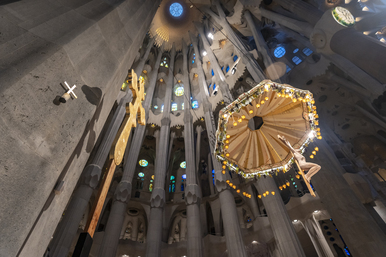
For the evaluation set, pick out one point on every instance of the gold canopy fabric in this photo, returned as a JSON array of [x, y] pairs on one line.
[[284, 111], [251, 149]]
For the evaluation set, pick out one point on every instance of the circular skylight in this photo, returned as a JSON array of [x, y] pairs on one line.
[[141, 174], [179, 90], [176, 9], [183, 165]]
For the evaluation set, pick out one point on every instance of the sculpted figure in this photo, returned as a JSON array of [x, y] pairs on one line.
[[312, 168]]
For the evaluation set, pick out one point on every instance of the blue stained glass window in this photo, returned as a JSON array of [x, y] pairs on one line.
[[172, 177], [235, 58], [212, 171], [193, 61], [296, 50], [173, 188], [170, 188], [214, 87], [288, 69], [176, 9], [195, 104], [279, 52], [296, 60], [156, 107], [182, 187], [184, 176], [162, 108], [212, 72], [307, 51], [182, 106], [222, 68], [141, 174], [183, 165], [143, 163], [227, 69], [174, 107]]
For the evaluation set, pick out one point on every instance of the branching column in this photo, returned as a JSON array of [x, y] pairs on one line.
[[214, 64], [360, 232], [262, 48], [192, 191], [315, 233], [123, 192], [68, 227], [281, 224], [234, 239], [157, 201], [252, 66]]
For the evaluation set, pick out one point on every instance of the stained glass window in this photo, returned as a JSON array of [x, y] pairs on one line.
[[174, 107], [195, 104], [288, 69], [143, 163], [162, 108], [235, 58], [307, 51], [227, 69], [172, 177], [296, 60], [179, 90], [184, 176], [279, 52], [151, 187], [156, 107], [152, 176], [141, 174], [212, 72], [182, 106], [176, 9], [296, 50], [183, 165]]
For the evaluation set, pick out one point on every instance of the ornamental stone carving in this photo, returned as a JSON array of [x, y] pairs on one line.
[[192, 194], [157, 198], [91, 175], [123, 192]]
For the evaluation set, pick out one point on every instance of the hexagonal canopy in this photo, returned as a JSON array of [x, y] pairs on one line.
[[246, 138]]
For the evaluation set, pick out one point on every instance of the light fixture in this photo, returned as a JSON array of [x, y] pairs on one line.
[[316, 211], [210, 35], [311, 134], [295, 221], [254, 242], [204, 53], [233, 71]]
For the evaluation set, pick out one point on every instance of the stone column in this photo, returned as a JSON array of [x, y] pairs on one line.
[[281, 225], [123, 192], [247, 58], [353, 45], [314, 231], [167, 193], [360, 232], [138, 70], [262, 48], [234, 240], [252, 202], [192, 191], [210, 178], [68, 227], [157, 201], [302, 9], [198, 148], [224, 87]]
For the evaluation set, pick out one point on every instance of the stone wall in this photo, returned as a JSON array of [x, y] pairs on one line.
[[43, 43]]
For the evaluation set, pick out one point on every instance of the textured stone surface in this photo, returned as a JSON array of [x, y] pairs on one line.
[[42, 44]]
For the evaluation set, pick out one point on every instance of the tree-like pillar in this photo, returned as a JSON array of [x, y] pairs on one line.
[[360, 232], [262, 48], [315, 233], [281, 224], [210, 178], [234, 239], [157, 200], [68, 227], [123, 192], [192, 191]]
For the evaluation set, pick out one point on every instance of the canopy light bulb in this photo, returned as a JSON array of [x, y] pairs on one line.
[[319, 137], [311, 135], [238, 191], [278, 94], [266, 98], [311, 156], [227, 146], [227, 181], [240, 120], [223, 172], [262, 102], [230, 184], [316, 148], [284, 186], [294, 100], [313, 101], [259, 196], [243, 117], [227, 155], [273, 192], [234, 187], [228, 136], [227, 141], [264, 195], [287, 95], [280, 187], [250, 111], [235, 124], [288, 184], [223, 166], [257, 105], [314, 152]]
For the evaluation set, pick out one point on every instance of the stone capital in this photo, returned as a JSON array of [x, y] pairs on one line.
[[192, 194], [165, 121], [91, 175], [123, 192], [157, 199]]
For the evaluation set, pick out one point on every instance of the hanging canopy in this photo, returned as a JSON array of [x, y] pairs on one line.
[[246, 139]]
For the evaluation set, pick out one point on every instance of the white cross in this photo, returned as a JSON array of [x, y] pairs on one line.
[[71, 90]]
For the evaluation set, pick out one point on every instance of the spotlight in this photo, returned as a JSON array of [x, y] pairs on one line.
[[204, 53]]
